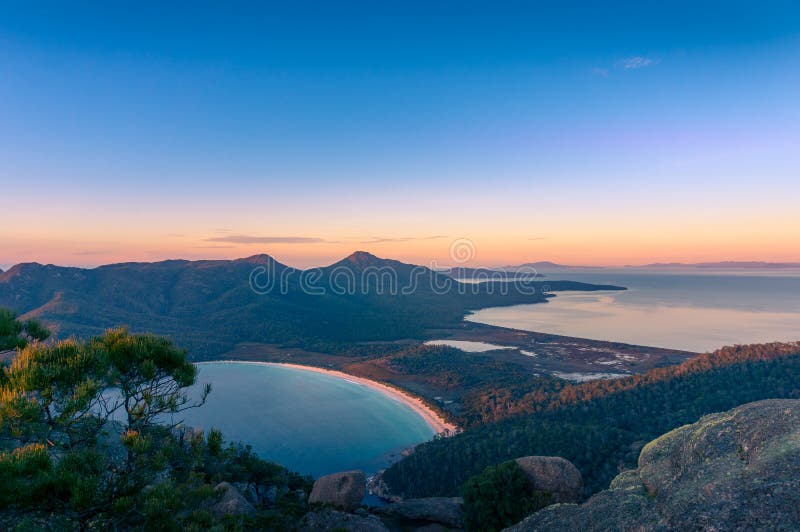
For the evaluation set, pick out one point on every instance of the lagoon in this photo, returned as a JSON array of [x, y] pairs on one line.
[[469, 346]]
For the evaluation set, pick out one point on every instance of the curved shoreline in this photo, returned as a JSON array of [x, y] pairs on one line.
[[432, 418]]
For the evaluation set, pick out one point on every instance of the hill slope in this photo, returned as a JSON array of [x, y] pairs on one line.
[[743, 473], [208, 306], [601, 426]]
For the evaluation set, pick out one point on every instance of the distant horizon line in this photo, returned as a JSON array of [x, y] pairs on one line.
[[703, 265]]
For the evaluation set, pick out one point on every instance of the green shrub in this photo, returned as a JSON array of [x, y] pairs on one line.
[[500, 497], [66, 463]]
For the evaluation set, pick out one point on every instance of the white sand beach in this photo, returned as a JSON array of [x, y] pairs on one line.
[[430, 416]]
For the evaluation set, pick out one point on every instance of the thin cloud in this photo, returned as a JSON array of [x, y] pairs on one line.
[[89, 252], [379, 240], [636, 62], [214, 247], [538, 238], [602, 72], [251, 239]]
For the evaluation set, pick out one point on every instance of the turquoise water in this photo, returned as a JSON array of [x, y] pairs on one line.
[[310, 422], [680, 311]]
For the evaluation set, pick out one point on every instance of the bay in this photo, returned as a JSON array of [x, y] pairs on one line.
[[681, 311], [311, 423]]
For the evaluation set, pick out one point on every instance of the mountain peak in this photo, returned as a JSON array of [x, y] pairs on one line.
[[360, 261], [21, 268], [261, 258], [363, 259]]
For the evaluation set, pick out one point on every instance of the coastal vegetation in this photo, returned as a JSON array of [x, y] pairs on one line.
[[16, 334], [471, 377], [499, 497], [601, 426], [74, 455]]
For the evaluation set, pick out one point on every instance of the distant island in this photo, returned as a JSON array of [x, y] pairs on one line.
[[725, 265], [547, 266], [489, 274]]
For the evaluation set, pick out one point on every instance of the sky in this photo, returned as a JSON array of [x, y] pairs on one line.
[[522, 131]]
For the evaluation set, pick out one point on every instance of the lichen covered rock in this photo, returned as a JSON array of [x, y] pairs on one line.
[[441, 510], [554, 475], [334, 520], [230, 502], [343, 490], [737, 470]]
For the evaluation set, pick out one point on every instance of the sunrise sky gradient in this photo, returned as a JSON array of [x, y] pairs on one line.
[[540, 131]]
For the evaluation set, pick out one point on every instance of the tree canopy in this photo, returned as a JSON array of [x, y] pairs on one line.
[[16, 334], [85, 443], [601, 426], [499, 497]]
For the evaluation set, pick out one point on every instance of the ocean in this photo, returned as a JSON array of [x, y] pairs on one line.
[[693, 312]]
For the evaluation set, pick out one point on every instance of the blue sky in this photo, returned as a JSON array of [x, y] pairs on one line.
[[496, 121]]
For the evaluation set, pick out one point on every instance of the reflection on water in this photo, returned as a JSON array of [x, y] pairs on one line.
[[691, 312], [468, 346]]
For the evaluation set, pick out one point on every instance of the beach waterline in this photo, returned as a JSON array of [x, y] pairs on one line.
[[312, 420]]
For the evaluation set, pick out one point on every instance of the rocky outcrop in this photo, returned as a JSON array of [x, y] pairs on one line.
[[441, 510], [554, 475], [737, 470], [230, 502], [334, 520], [377, 486], [343, 490], [248, 490]]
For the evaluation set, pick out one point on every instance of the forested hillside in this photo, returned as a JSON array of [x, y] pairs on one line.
[[601, 426], [208, 306]]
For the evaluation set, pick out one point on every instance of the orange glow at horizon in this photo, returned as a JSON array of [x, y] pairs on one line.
[[591, 248]]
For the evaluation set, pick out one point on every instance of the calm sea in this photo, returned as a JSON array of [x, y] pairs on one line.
[[309, 422], [681, 311]]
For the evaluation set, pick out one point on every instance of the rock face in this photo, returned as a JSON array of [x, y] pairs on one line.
[[343, 490], [333, 520], [738, 470], [248, 491], [377, 486], [231, 502], [554, 475], [442, 510]]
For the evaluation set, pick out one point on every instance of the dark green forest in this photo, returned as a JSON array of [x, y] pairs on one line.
[[499, 497], [601, 426]]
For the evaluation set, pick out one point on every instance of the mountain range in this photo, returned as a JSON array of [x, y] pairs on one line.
[[208, 306]]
